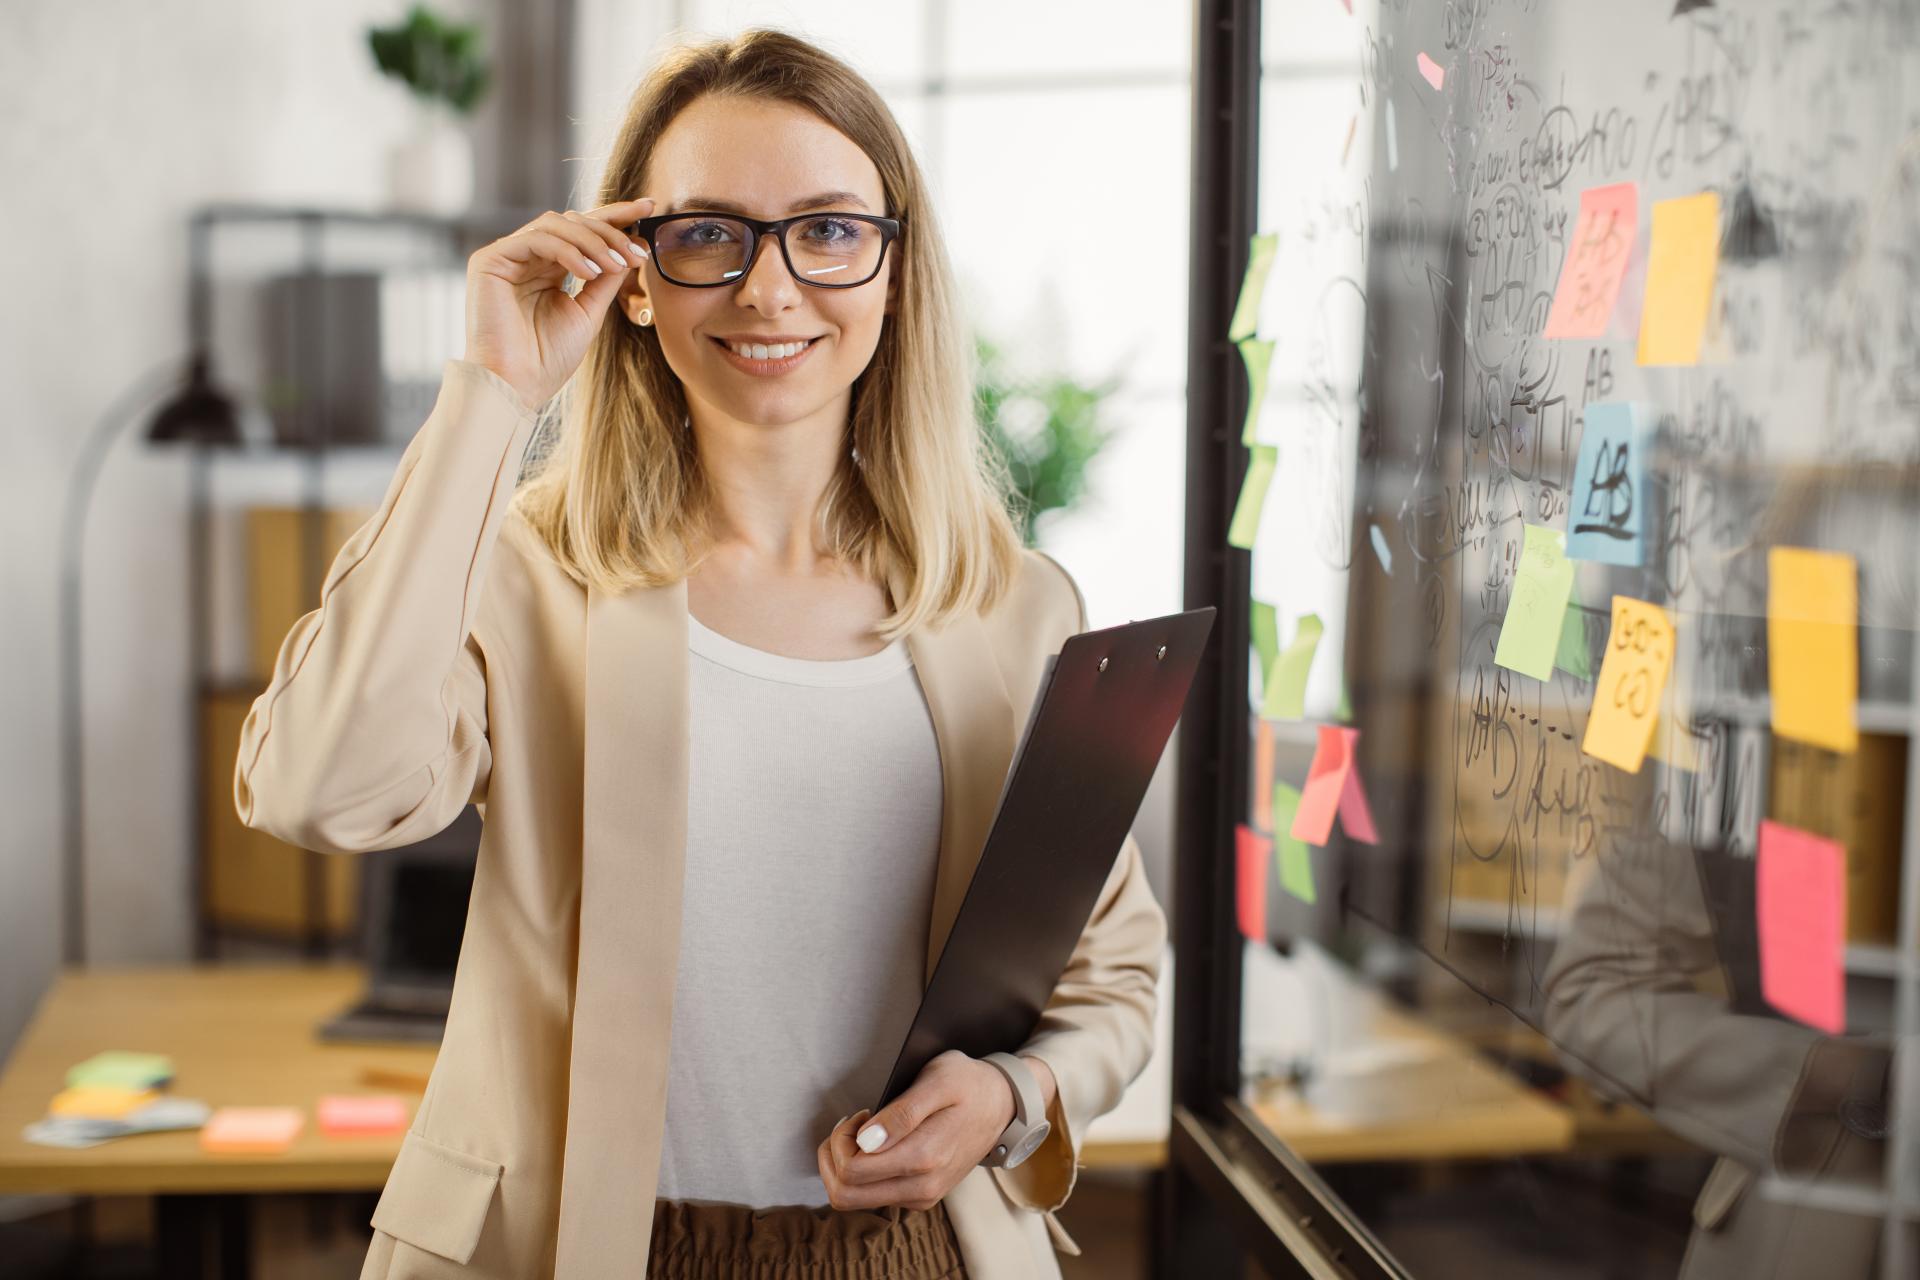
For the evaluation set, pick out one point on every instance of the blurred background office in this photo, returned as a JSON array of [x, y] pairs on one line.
[[252, 220]]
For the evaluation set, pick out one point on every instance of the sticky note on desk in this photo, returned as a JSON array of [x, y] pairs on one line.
[[1246, 311], [1596, 262], [1800, 908], [1530, 634], [1606, 520], [1633, 675], [1682, 257], [100, 1101], [1285, 696], [252, 1129], [1813, 659], [122, 1067], [344, 1115], [1253, 497]]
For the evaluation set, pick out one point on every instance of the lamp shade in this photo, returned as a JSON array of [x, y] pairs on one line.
[[198, 413]]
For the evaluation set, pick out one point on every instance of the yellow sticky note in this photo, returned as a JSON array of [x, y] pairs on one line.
[[1626, 697], [101, 1101], [1253, 497], [1681, 260], [1246, 312], [1813, 662], [1258, 353]]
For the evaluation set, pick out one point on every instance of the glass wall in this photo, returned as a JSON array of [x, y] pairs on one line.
[[1579, 907]]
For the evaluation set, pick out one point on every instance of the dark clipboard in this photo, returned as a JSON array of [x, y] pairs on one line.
[[1100, 720]]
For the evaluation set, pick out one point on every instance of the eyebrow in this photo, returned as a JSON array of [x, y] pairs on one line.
[[810, 202]]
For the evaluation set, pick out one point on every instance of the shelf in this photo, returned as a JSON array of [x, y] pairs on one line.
[[1473, 915]]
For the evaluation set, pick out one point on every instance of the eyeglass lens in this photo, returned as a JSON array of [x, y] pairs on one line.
[[826, 249]]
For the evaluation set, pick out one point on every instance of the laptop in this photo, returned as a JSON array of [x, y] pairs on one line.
[[413, 914]]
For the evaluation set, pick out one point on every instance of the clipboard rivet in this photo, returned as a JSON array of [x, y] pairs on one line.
[[1160, 653], [1103, 664]]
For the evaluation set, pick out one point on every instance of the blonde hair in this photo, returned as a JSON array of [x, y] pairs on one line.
[[621, 499]]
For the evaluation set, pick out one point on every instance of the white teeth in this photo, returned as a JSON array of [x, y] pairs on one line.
[[759, 351]]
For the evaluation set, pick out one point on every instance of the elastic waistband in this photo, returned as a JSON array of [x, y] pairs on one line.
[[714, 1240]]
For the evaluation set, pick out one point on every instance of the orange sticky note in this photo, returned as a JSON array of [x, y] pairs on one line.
[[1596, 263], [1682, 257], [1626, 697], [1263, 774], [1813, 658], [99, 1101], [343, 1114], [1251, 851], [1333, 787], [252, 1129], [1800, 908]]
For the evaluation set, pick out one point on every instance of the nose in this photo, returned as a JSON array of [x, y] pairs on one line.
[[756, 280]]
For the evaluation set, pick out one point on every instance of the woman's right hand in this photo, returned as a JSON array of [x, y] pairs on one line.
[[521, 322]]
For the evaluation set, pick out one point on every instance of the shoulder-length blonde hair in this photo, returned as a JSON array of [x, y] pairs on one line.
[[621, 499]]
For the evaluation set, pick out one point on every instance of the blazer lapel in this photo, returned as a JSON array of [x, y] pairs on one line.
[[633, 852], [633, 847], [973, 721]]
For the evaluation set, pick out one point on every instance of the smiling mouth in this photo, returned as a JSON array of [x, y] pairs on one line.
[[770, 353]]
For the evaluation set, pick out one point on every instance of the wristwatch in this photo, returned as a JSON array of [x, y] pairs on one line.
[[1029, 1127]]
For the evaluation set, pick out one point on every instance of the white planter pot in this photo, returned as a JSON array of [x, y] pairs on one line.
[[432, 171]]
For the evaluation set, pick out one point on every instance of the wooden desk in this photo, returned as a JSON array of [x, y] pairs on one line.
[[238, 1036]]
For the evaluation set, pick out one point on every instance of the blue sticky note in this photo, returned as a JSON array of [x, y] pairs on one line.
[[1607, 519]]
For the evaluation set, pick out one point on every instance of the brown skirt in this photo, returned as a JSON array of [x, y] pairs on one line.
[[714, 1240]]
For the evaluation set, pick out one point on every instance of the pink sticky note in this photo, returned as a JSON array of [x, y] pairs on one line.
[[1800, 905], [1333, 787], [346, 1114], [1432, 72], [258, 1129], [1251, 850], [1596, 263]]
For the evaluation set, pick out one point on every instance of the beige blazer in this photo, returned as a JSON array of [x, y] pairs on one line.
[[451, 661]]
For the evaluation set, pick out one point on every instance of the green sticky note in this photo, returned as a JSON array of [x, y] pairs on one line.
[[1286, 692], [1344, 712], [1572, 656], [1253, 496], [1246, 312], [1266, 638], [1258, 353], [123, 1068], [1530, 636], [1296, 860]]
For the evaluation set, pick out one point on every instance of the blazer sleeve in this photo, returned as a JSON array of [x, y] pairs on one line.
[[372, 730], [1096, 1032]]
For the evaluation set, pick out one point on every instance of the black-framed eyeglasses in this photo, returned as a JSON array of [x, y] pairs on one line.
[[701, 250]]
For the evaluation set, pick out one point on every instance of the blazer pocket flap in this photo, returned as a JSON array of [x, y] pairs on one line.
[[437, 1198], [1721, 1189]]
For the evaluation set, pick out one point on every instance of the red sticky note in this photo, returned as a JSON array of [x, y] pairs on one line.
[[1800, 904], [1430, 71], [1252, 851], [1333, 786], [342, 1114], [1596, 263], [252, 1129]]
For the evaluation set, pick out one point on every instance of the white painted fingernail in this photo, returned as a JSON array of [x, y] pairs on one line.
[[871, 1137]]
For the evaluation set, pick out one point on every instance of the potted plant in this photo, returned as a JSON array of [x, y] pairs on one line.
[[443, 65], [1045, 429]]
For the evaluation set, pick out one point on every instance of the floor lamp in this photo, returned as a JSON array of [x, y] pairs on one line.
[[197, 414]]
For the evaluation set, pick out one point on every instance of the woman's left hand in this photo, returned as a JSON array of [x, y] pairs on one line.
[[934, 1135]]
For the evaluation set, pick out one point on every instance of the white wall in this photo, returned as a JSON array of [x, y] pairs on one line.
[[120, 117]]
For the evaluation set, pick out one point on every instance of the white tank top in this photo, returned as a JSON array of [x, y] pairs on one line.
[[813, 828]]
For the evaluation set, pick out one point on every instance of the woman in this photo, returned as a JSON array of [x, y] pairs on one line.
[[735, 678]]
